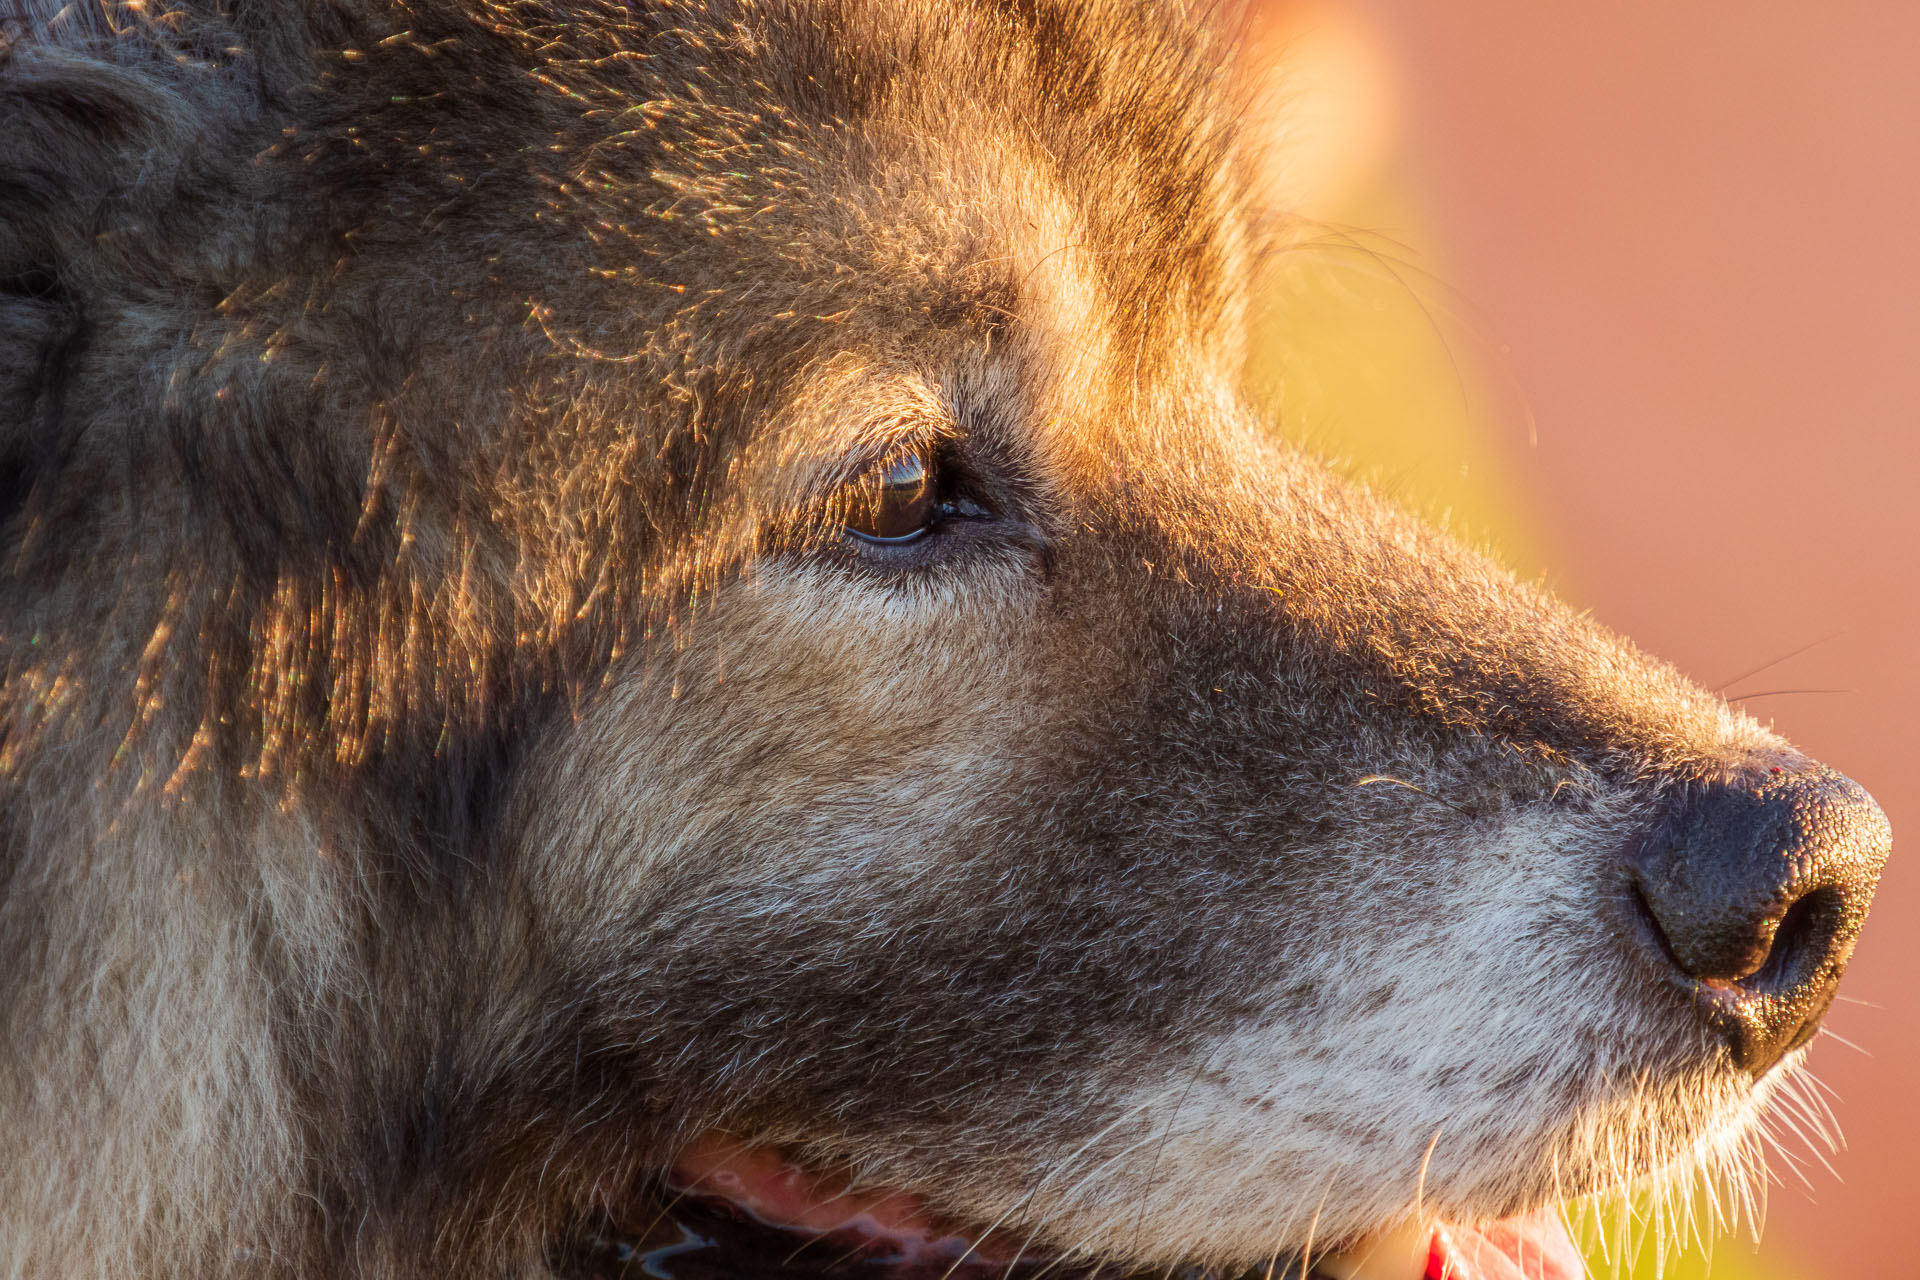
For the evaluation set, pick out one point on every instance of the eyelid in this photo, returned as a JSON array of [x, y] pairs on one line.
[[876, 454], [877, 541]]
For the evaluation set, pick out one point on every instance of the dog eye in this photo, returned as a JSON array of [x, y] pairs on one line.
[[897, 505]]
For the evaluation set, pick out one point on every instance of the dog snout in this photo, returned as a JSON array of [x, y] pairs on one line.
[[1755, 888]]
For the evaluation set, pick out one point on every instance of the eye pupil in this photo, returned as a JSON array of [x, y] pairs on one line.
[[897, 504]]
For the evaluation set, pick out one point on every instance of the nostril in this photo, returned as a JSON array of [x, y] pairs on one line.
[[1801, 943], [1650, 921], [1771, 964]]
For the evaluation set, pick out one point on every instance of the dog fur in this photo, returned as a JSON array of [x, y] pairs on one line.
[[453, 756]]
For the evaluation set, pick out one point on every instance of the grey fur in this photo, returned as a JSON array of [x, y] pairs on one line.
[[452, 756]]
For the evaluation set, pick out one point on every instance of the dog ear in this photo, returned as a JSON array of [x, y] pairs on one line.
[[109, 118], [40, 336], [63, 115]]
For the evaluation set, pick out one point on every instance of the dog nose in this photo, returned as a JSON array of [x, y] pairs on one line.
[[1756, 888]]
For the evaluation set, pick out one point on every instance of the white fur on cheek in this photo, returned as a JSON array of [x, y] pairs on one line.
[[809, 667]]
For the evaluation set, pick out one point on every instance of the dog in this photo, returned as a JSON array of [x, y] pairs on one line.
[[608, 595]]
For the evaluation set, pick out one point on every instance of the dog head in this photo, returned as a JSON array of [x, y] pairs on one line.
[[734, 529]]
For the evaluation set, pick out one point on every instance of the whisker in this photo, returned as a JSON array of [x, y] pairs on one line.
[[1420, 1182], [1166, 1136], [1768, 666], [1780, 693], [1085, 1178], [1864, 1004], [1372, 778], [1813, 1094], [1313, 1225], [1831, 1034], [1065, 1164], [1786, 1118], [1274, 1260]]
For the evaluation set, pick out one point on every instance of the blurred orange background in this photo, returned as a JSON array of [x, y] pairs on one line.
[[1632, 292]]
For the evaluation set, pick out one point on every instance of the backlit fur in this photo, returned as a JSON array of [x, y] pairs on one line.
[[452, 755]]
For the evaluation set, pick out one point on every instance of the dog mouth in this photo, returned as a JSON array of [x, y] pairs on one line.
[[745, 1212]]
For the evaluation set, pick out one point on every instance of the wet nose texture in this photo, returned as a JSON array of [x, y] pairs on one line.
[[1756, 889]]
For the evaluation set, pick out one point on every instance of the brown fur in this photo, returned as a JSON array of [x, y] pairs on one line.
[[452, 755]]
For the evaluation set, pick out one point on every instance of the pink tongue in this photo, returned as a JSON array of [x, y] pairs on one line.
[[891, 1226], [1535, 1247]]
